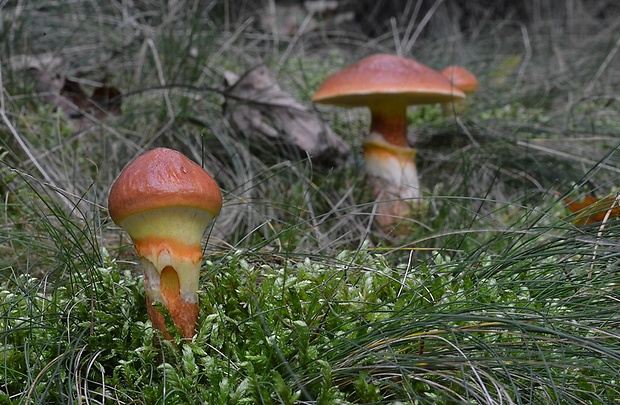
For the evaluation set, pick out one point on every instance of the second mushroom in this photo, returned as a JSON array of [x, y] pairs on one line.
[[463, 80], [387, 84]]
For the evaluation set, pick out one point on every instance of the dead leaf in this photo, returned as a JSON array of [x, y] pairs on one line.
[[73, 100], [44, 61], [69, 96], [258, 109], [107, 99], [592, 210]]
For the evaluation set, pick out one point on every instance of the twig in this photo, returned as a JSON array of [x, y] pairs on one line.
[[402, 283], [302, 28], [603, 67], [427, 17], [599, 235], [162, 81], [569, 156], [526, 58]]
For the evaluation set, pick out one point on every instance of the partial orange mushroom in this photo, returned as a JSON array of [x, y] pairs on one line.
[[387, 85], [165, 202], [592, 210], [463, 80]]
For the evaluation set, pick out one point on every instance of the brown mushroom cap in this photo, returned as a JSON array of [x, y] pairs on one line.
[[386, 79], [162, 178], [461, 78]]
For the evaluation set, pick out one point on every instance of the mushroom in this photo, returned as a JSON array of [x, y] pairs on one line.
[[463, 80], [165, 201], [387, 84], [592, 210]]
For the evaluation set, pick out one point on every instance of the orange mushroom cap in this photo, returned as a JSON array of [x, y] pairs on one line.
[[461, 78], [162, 178], [386, 79]]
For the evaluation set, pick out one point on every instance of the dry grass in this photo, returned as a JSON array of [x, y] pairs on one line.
[[545, 112]]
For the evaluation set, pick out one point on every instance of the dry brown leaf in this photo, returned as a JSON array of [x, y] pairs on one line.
[[69, 96], [258, 109], [107, 99], [73, 100]]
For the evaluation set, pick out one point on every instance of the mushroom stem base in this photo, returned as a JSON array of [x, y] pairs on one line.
[[394, 180], [165, 286], [184, 316]]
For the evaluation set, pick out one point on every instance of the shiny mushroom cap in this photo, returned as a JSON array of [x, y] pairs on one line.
[[162, 178], [386, 79], [461, 78]]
